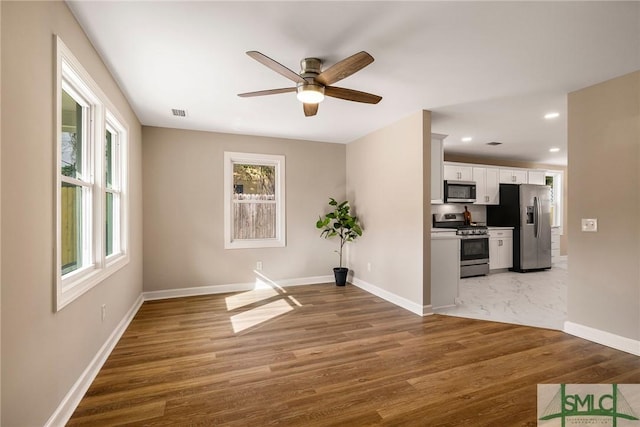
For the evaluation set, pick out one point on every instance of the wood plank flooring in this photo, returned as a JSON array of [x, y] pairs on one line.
[[323, 355]]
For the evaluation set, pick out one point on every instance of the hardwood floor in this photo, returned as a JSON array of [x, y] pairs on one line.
[[323, 355]]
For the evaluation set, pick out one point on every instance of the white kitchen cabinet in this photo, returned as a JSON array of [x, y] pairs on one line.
[[500, 249], [513, 176], [453, 172], [437, 173], [445, 269], [536, 177], [487, 186]]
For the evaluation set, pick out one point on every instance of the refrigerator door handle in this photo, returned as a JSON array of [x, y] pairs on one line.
[[536, 217], [539, 218]]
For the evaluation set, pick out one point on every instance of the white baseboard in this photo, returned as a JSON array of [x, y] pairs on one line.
[[70, 402], [427, 310], [421, 310], [444, 306], [242, 287], [233, 287], [313, 280], [198, 290], [602, 337]]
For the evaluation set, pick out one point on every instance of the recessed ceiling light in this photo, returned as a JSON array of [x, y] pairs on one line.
[[467, 139], [554, 149], [551, 115]]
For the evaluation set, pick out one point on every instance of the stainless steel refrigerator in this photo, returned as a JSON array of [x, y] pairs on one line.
[[526, 208]]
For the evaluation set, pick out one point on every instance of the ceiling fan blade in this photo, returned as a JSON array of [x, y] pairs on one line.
[[275, 66], [351, 95], [310, 109], [267, 92], [344, 68]]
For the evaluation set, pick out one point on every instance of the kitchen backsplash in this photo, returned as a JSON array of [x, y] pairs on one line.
[[478, 212]]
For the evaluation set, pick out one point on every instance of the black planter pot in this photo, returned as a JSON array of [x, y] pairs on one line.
[[341, 275]]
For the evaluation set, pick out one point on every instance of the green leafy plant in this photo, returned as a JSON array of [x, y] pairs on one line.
[[339, 223]]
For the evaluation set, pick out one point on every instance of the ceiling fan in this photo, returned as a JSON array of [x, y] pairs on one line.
[[312, 84]]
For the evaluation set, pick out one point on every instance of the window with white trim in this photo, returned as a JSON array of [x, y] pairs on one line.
[[91, 206], [113, 182], [75, 179], [554, 180], [254, 200]]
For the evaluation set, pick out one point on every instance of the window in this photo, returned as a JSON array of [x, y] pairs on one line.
[[554, 180], [91, 183], [75, 191], [254, 200], [115, 136]]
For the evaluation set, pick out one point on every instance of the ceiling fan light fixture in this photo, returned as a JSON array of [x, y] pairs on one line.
[[310, 93], [313, 83]]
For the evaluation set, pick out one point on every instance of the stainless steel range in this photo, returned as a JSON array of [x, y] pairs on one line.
[[474, 243]]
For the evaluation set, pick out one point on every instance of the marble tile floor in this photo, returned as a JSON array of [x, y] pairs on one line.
[[534, 299]]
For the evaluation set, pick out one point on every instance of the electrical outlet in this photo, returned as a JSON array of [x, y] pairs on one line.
[[103, 311], [369, 266], [259, 265], [590, 224]]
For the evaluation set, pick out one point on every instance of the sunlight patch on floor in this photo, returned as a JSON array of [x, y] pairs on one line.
[[263, 288], [255, 316], [250, 297], [262, 282]]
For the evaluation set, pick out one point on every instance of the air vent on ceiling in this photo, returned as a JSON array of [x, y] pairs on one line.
[[179, 113], [494, 143]]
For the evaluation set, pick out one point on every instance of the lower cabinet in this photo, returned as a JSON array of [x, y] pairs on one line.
[[500, 249], [445, 271]]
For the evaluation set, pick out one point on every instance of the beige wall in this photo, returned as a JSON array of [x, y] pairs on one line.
[[604, 164], [183, 205], [43, 352], [0, 211], [564, 241], [426, 208], [382, 171]]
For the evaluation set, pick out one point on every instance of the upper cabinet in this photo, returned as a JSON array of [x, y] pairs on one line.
[[437, 174], [522, 176], [536, 177], [453, 172], [487, 186], [487, 177], [513, 176]]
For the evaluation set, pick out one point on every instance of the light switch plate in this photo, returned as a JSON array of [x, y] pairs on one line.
[[590, 224]]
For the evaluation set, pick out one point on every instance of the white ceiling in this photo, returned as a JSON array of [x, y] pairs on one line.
[[489, 70]]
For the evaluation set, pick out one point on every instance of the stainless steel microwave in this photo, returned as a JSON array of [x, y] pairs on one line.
[[459, 191]]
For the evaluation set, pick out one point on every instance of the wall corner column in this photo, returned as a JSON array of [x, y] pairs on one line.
[[426, 210]]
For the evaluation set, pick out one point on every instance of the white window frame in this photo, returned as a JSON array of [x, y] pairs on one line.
[[558, 183], [74, 79], [84, 180], [119, 184], [278, 161]]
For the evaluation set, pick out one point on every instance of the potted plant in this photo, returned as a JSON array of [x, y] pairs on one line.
[[339, 223]]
